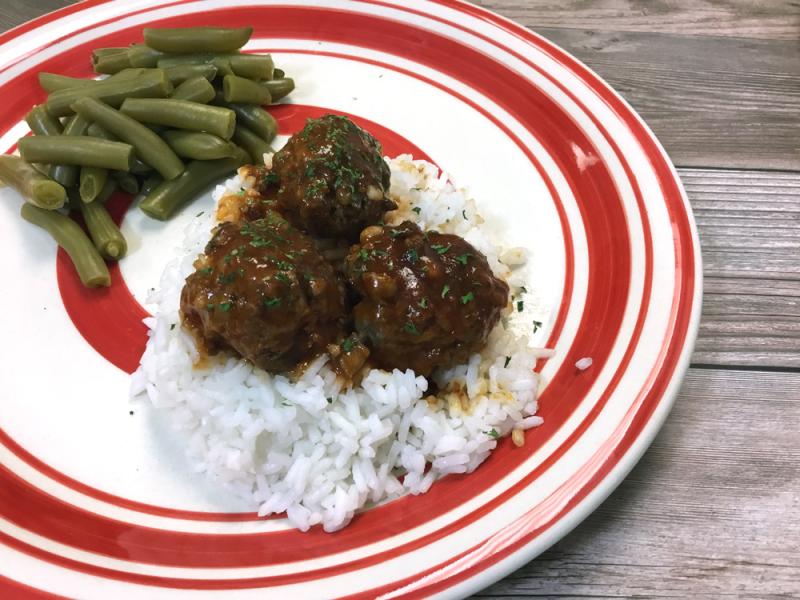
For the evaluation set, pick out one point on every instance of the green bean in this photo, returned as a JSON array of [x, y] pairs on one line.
[[253, 117], [197, 145], [182, 114], [251, 66], [77, 150], [42, 122], [278, 73], [187, 40], [67, 234], [137, 167], [223, 65], [149, 147], [92, 180], [99, 52], [180, 73], [151, 85], [51, 82], [105, 234], [143, 56], [110, 63], [251, 143], [151, 183], [168, 197], [126, 182], [32, 185], [129, 73], [247, 91], [278, 88], [67, 175], [196, 89]]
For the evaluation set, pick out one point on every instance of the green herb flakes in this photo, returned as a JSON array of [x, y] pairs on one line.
[[520, 305], [536, 326], [225, 306], [493, 433], [463, 258], [272, 302], [445, 290], [409, 327], [417, 209], [469, 297], [348, 344], [508, 360]]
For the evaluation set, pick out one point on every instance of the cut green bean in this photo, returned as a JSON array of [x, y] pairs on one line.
[[251, 143], [143, 56], [198, 145], [51, 82], [180, 73], [150, 148], [42, 122], [251, 66], [32, 185], [168, 197], [278, 88], [278, 73], [130, 73], [196, 89], [153, 84], [245, 91], [105, 234], [137, 167], [67, 175], [77, 150], [100, 52], [187, 40], [126, 182], [110, 63], [181, 114], [92, 180], [91, 269], [251, 116]]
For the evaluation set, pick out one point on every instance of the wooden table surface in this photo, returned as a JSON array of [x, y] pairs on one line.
[[713, 509]]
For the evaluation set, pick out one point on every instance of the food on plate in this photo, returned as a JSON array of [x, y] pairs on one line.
[[316, 413], [332, 178], [262, 289], [158, 106], [428, 299]]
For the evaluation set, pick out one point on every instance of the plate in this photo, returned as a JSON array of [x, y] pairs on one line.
[[95, 500]]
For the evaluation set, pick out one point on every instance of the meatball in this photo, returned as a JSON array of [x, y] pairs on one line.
[[262, 290], [428, 300], [331, 178]]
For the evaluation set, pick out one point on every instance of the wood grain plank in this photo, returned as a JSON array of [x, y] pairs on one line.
[[713, 102], [768, 20], [712, 510], [16, 12], [749, 225]]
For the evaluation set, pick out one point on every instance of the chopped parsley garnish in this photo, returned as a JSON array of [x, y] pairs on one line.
[[445, 290], [524, 291], [463, 258], [225, 306], [283, 265], [417, 209], [508, 360], [493, 433], [283, 278], [330, 400], [464, 214], [210, 306], [200, 214], [308, 277], [536, 326], [410, 328], [393, 233], [423, 303], [348, 344], [363, 255], [272, 302], [520, 305], [440, 249], [171, 327], [412, 255], [226, 278], [205, 271], [469, 297]]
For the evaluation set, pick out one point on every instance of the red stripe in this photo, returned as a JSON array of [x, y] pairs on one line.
[[14, 590]]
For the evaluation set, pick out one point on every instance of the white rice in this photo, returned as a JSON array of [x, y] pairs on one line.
[[319, 451]]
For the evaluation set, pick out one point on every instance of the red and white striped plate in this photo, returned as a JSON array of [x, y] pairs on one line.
[[94, 498]]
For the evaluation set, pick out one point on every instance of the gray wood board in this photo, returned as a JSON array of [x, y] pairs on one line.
[[712, 510], [769, 19]]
